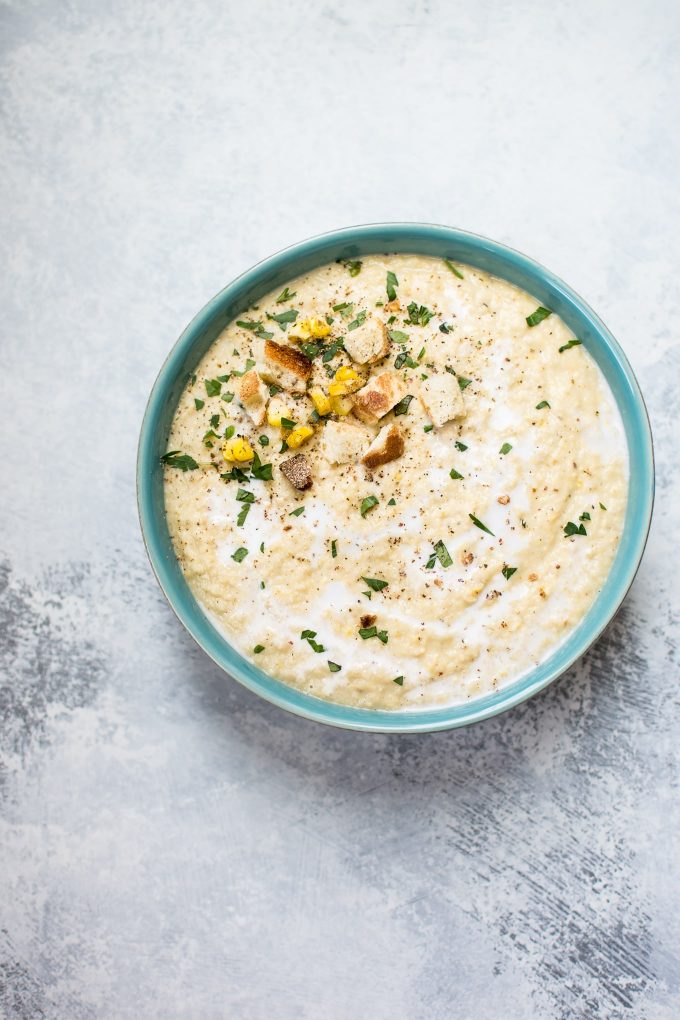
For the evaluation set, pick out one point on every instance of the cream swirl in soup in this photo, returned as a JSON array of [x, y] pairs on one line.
[[396, 483]]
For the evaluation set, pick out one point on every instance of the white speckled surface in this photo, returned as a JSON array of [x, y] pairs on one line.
[[170, 846]]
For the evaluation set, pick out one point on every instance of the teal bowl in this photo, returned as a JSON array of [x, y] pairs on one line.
[[353, 242]]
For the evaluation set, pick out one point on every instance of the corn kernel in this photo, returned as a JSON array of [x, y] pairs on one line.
[[237, 450], [307, 329], [299, 435], [276, 411], [341, 405], [345, 373], [345, 380], [320, 401]]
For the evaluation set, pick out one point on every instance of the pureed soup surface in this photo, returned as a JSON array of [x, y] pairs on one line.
[[415, 519]]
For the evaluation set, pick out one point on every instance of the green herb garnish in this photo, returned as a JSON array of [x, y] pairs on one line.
[[539, 315], [255, 327], [334, 548], [263, 472], [359, 321], [345, 308], [574, 529], [179, 460], [460, 446], [243, 496], [445, 328], [257, 649], [418, 315], [463, 383], [229, 431], [507, 572], [602, 506], [392, 502], [297, 512], [228, 397], [398, 680], [243, 513], [353, 267], [333, 667], [367, 504], [397, 337], [287, 423], [585, 516], [374, 584], [199, 403], [427, 428], [543, 403], [455, 474], [442, 554], [476, 521], [567, 346], [456, 272], [283, 318], [391, 286], [212, 387], [263, 440], [403, 405], [285, 295], [239, 555], [505, 448], [208, 438]]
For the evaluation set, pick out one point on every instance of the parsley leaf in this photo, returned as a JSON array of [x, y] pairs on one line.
[[255, 327], [199, 403], [333, 666], [239, 555], [397, 337], [602, 506], [263, 472], [179, 460], [263, 440], [585, 516], [463, 383], [391, 286], [285, 295], [539, 315], [367, 504], [241, 519], [353, 267], [543, 403], [374, 584], [566, 347], [507, 572], [476, 521], [359, 321], [283, 318], [456, 272], [442, 554], [460, 446], [398, 680], [574, 529], [418, 315], [257, 649], [505, 448], [212, 387], [297, 512], [454, 474], [334, 548], [403, 405], [243, 496]]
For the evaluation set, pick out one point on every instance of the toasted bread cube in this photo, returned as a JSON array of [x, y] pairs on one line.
[[379, 396], [297, 471], [368, 343], [285, 366], [387, 446], [442, 399], [343, 442], [253, 394]]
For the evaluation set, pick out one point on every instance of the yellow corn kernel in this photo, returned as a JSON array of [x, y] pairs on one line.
[[307, 329], [345, 380], [341, 405], [237, 450], [276, 411], [320, 401], [299, 435]]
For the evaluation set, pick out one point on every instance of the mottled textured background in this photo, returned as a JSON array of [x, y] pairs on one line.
[[171, 846]]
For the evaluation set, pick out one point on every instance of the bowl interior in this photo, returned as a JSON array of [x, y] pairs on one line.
[[354, 243]]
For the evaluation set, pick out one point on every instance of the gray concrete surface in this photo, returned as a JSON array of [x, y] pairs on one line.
[[170, 846]]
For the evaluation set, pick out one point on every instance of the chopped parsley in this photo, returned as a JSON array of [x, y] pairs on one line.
[[199, 403], [507, 572], [249, 364], [505, 448], [307, 634], [333, 667], [243, 496], [455, 474], [404, 358], [243, 513], [332, 350], [228, 397], [359, 321], [456, 272], [229, 431], [418, 315], [476, 521], [392, 502], [369, 632], [427, 428], [283, 318], [315, 646], [602, 506], [263, 472], [585, 516], [445, 328], [574, 529], [567, 346], [255, 327], [345, 308], [463, 383], [285, 295], [539, 315], [442, 554], [214, 421], [391, 285], [367, 504], [398, 680], [179, 460], [257, 649], [263, 440], [543, 403], [208, 438], [431, 562], [353, 267], [403, 405], [397, 337], [274, 389], [288, 423], [334, 548], [213, 387], [460, 446], [297, 512], [374, 584], [239, 555]]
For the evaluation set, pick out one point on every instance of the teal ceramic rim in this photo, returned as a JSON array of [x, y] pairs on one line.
[[354, 242]]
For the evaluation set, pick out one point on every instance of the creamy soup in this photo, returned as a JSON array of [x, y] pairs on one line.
[[396, 483]]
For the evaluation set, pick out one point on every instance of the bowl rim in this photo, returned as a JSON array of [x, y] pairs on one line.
[[332, 713]]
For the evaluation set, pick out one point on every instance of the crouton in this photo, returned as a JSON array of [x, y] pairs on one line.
[[367, 343], [253, 395], [343, 442], [285, 366], [441, 397], [387, 446], [297, 471], [379, 396]]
